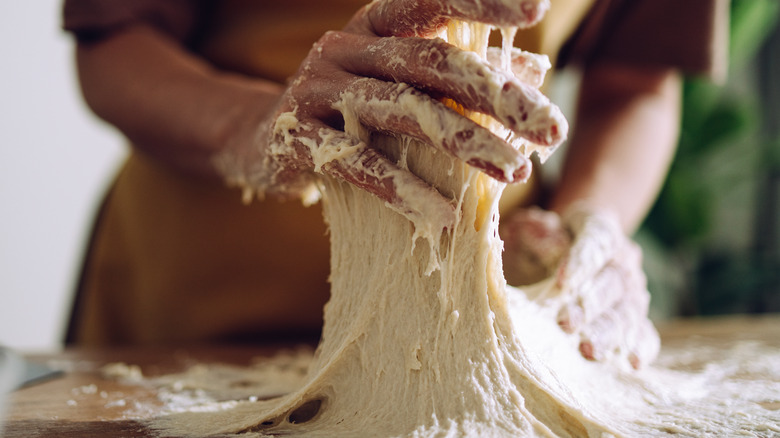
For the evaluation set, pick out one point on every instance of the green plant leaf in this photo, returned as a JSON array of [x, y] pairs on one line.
[[751, 22], [726, 122]]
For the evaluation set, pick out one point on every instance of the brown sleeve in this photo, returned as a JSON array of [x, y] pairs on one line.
[[92, 19], [691, 35]]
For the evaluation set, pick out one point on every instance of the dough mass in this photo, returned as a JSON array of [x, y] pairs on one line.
[[423, 337]]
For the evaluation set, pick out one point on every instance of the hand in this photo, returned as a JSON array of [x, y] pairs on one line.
[[384, 72], [599, 284]]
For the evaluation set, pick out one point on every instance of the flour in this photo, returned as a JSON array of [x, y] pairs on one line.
[[423, 337], [122, 371]]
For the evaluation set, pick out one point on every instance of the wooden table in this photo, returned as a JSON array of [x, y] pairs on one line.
[[83, 403]]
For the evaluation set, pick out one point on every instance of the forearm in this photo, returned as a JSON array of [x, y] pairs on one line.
[[625, 137], [168, 102]]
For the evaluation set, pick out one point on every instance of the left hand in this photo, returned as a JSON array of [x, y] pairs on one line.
[[386, 72], [599, 283]]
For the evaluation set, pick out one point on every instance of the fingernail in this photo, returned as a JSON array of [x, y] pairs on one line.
[[520, 173], [565, 325], [534, 10], [633, 359], [570, 318], [587, 350]]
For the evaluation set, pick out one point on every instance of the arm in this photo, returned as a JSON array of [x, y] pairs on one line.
[[177, 108], [170, 103], [625, 137]]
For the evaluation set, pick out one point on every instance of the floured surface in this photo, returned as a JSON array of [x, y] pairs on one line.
[[423, 337], [458, 353], [720, 362], [701, 381]]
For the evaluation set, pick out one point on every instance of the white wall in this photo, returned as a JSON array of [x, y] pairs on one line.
[[55, 160]]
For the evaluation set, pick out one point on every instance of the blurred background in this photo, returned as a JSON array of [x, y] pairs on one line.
[[55, 161], [712, 241]]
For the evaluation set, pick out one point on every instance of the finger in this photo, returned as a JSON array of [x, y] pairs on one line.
[[597, 238], [426, 17], [538, 230], [442, 70], [534, 243], [570, 318], [600, 337], [401, 109], [595, 297], [527, 67], [629, 257], [643, 344], [621, 331], [403, 192], [344, 157]]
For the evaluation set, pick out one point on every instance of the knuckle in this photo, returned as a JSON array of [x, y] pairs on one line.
[[325, 48], [433, 53], [330, 38]]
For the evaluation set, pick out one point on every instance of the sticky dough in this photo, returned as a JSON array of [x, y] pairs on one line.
[[423, 338]]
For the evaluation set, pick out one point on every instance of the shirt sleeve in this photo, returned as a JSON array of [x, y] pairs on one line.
[[91, 20], [691, 35]]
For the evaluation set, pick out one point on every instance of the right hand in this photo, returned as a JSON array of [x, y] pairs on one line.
[[599, 289], [385, 71]]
